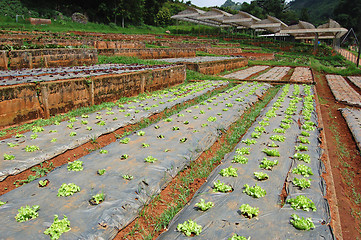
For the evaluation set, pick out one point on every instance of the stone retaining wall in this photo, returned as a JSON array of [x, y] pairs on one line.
[[150, 53], [34, 58], [215, 67], [26, 102]]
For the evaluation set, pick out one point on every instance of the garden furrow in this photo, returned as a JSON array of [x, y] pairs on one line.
[[355, 80], [353, 120], [135, 169], [43, 143], [291, 121]]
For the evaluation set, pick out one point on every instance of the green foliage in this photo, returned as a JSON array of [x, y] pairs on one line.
[[229, 172], [8, 157], [202, 205], [249, 211], [302, 157], [303, 140], [240, 159], [103, 151], [43, 183], [58, 227], [302, 182], [279, 130], [150, 159], [26, 213], [301, 148], [243, 151], [303, 203], [237, 237], [98, 198], [140, 133], [271, 152], [2, 203], [189, 227], [68, 189], [249, 141], [221, 187], [39, 172], [125, 141], [303, 170], [255, 191], [261, 175], [76, 166], [31, 148], [278, 138], [101, 171], [127, 177], [302, 223], [212, 119], [268, 164]]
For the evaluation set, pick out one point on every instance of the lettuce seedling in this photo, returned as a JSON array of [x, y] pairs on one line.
[[302, 157], [237, 237], [302, 223], [301, 148], [189, 227], [303, 170], [31, 148], [140, 133], [124, 141], [42, 183], [145, 145], [306, 134], [256, 134], [103, 151], [249, 211], [27, 213], [127, 177], [76, 166], [229, 172], [13, 144], [150, 159], [8, 157], [303, 203], [302, 182], [221, 187], [98, 198], [202, 205], [271, 152], [255, 191], [240, 159], [278, 138], [304, 140], [212, 119], [243, 151], [261, 175], [101, 171], [58, 227], [66, 190], [36, 129], [124, 156], [2, 203], [249, 141], [268, 164], [279, 130]]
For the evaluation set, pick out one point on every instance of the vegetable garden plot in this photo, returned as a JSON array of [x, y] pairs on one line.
[[356, 80], [342, 91], [245, 73], [52, 74], [274, 74], [195, 59], [127, 172], [301, 75], [353, 119], [43, 143], [242, 195]]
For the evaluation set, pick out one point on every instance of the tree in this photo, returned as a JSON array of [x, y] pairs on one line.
[[348, 14], [304, 15]]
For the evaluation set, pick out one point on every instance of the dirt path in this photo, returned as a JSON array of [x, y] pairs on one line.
[[344, 159]]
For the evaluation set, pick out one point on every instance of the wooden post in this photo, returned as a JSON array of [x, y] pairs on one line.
[[358, 55], [315, 43]]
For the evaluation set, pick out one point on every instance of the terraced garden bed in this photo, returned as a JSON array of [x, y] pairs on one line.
[[277, 152], [342, 91], [160, 150], [275, 74], [246, 73]]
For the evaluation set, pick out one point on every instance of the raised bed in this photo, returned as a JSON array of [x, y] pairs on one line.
[[24, 102], [150, 53], [246, 73], [275, 74], [342, 91], [302, 75], [89, 126], [292, 121], [210, 65], [355, 80], [173, 143], [257, 56], [353, 120], [34, 58]]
